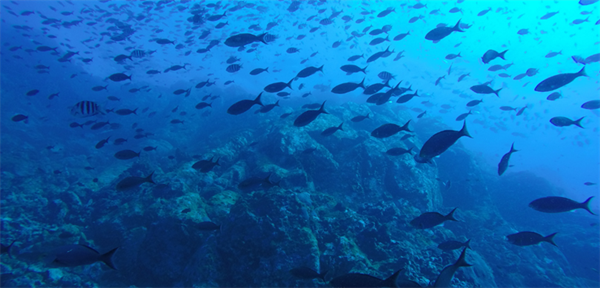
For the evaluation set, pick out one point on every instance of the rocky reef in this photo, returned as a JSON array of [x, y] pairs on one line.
[[344, 207]]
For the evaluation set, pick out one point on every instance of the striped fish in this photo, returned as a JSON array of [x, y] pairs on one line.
[[138, 53], [86, 109]]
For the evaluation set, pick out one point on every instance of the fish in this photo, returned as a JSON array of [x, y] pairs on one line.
[[589, 105], [101, 143], [360, 118], [32, 92], [233, 68], [401, 36], [203, 105], [308, 116], [555, 204], [398, 151], [503, 165], [308, 71], [421, 115], [490, 55], [564, 121], [463, 77], [553, 96], [132, 182], [372, 89], [124, 112], [587, 2], [278, 86], [558, 81], [258, 71], [453, 245], [440, 142], [243, 39], [356, 57], [126, 154], [5, 249], [269, 107], [205, 166], [474, 103], [483, 12], [118, 77], [527, 238], [86, 109], [78, 255], [452, 56], [389, 129], [552, 54], [363, 280], [350, 69], [432, 219], [440, 33], [548, 15], [523, 31], [304, 272], [378, 55], [244, 105], [329, 131], [207, 226], [445, 277], [521, 111], [285, 115], [347, 87], [149, 148], [19, 118], [462, 117], [484, 89], [254, 183]]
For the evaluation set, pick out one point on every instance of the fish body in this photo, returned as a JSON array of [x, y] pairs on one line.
[[389, 129], [564, 121], [440, 142], [244, 105], [558, 81], [78, 255], [308, 116], [527, 238], [555, 204], [503, 165], [490, 55], [432, 219], [132, 182], [440, 33]]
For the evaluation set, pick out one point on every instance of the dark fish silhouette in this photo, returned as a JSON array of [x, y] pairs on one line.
[[453, 245], [205, 166], [440, 33], [132, 182], [207, 226], [445, 277], [529, 238], [243, 105], [6, 248], [308, 71], [490, 55], [278, 86], [398, 151], [118, 77], [440, 142], [77, 255], [503, 165], [347, 87], [307, 273], [564, 121], [243, 39], [308, 116], [363, 280], [557, 81], [591, 105], [555, 204], [390, 129], [126, 154], [484, 89], [431, 219], [360, 118], [329, 131]]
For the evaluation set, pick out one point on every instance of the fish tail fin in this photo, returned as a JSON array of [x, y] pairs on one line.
[[277, 103], [464, 130], [364, 69], [461, 262], [497, 91], [8, 248], [578, 122], [289, 84], [410, 150], [261, 38], [340, 127], [456, 27], [390, 281], [550, 239], [405, 127], [322, 109], [450, 215], [323, 274], [362, 83], [501, 55], [368, 115], [321, 68], [512, 148], [134, 110], [217, 162], [467, 244], [585, 205], [582, 72], [149, 178], [257, 100], [107, 258]]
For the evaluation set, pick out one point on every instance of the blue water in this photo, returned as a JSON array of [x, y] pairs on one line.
[[360, 200]]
